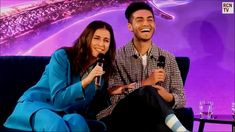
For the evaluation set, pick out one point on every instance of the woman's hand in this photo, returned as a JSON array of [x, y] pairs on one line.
[[96, 71]]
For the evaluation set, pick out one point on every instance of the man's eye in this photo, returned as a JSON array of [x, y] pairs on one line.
[[150, 20], [139, 20]]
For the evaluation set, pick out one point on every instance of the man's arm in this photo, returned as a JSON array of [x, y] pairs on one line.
[[121, 89], [176, 85], [158, 75]]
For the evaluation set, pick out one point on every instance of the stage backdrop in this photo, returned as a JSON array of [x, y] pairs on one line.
[[196, 29]]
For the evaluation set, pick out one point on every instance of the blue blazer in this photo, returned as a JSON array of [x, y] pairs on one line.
[[57, 90]]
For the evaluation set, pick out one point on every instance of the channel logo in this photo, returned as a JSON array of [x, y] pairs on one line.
[[227, 7]]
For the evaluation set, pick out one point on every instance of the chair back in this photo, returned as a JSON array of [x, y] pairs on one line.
[[183, 64]]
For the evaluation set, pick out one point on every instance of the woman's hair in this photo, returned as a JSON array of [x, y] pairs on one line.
[[80, 53]]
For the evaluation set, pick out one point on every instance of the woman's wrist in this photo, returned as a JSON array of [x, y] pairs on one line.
[[84, 83]]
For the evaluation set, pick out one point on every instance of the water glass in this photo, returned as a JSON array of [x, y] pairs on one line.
[[233, 110], [206, 109]]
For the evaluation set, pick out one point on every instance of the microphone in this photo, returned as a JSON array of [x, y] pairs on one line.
[[100, 62], [160, 64]]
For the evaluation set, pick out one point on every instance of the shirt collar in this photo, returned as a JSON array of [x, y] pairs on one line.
[[152, 52]]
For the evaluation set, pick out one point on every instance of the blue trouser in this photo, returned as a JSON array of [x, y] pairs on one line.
[[46, 120]]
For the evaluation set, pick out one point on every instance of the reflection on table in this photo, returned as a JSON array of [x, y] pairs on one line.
[[218, 119]]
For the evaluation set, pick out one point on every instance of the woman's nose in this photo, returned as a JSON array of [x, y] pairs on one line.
[[101, 43]]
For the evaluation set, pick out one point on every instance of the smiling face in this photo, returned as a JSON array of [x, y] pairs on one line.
[[142, 24], [100, 42]]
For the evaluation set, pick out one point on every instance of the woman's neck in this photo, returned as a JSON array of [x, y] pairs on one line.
[[90, 62]]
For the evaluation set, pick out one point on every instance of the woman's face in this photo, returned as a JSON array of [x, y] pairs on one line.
[[100, 42]]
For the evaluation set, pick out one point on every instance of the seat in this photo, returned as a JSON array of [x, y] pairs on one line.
[[18, 73], [127, 114], [185, 115]]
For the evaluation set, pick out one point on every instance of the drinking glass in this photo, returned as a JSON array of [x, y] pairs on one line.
[[206, 109], [233, 110]]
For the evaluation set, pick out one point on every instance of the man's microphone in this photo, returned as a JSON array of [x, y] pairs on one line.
[[160, 64], [100, 62]]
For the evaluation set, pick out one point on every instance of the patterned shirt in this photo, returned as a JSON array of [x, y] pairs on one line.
[[128, 64]]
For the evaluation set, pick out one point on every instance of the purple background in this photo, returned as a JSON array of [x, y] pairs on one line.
[[199, 31]]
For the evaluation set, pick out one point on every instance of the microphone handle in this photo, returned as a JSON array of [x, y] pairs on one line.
[[98, 81], [98, 78], [160, 83]]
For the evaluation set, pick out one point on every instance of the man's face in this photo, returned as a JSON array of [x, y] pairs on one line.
[[142, 24]]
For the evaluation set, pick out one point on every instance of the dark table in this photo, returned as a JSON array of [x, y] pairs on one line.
[[219, 119]]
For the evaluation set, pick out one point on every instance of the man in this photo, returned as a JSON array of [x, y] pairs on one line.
[[143, 94]]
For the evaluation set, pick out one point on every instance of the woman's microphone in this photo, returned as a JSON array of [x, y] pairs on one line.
[[100, 62]]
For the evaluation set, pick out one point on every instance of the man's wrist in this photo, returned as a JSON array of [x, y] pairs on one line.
[[138, 84], [172, 99], [144, 82], [124, 90]]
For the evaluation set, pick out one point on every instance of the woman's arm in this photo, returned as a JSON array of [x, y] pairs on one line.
[[63, 93]]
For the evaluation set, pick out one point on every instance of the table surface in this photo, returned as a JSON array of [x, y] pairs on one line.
[[224, 119]]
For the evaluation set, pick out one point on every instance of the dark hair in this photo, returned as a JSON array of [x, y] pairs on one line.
[[80, 53], [135, 6]]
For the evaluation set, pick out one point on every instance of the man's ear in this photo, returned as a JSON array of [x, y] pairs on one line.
[[130, 27]]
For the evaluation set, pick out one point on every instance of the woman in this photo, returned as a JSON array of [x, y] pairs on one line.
[[63, 96]]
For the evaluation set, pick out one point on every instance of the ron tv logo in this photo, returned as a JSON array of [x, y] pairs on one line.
[[227, 8]]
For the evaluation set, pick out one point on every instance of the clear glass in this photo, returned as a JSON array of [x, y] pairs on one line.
[[206, 109], [233, 110]]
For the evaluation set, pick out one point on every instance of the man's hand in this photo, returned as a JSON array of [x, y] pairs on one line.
[[157, 75], [121, 89], [168, 97]]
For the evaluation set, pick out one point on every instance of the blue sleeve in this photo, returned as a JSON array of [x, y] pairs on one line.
[[59, 74]]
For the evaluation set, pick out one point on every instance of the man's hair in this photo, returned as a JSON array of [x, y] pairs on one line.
[[135, 6]]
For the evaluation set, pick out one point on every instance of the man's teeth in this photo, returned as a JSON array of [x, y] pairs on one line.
[[145, 30]]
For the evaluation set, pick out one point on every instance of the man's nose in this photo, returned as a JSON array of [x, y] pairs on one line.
[[145, 22]]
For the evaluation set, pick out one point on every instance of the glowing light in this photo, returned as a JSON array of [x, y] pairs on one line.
[[170, 3], [62, 30]]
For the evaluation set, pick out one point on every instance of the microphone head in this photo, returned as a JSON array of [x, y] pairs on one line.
[[100, 57], [161, 61]]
